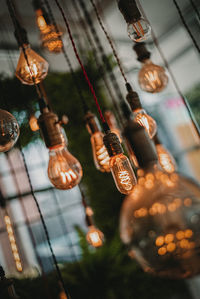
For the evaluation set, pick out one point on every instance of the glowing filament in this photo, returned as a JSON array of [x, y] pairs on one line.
[[68, 176], [13, 245], [94, 236], [125, 179]]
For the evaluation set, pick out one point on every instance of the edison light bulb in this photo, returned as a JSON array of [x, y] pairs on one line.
[[152, 78], [139, 31], [9, 130], [120, 165], [145, 120], [37, 69], [160, 218], [100, 154], [94, 236], [52, 40], [64, 170], [165, 159], [33, 123]]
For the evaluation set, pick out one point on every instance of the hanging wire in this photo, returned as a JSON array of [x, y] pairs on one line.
[[155, 40], [18, 29], [110, 41], [96, 58], [82, 67], [186, 26], [73, 74], [195, 9]]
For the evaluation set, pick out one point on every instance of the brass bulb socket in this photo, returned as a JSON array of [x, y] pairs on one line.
[[112, 144], [50, 129], [141, 51], [92, 123], [133, 98]]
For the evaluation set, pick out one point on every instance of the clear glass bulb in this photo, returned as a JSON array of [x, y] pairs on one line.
[[33, 123], [139, 31], [94, 236], [9, 130], [152, 78], [64, 170], [160, 223], [41, 22], [100, 154], [38, 67], [146, 121], [165, 159], [123, 174], [51, 40]]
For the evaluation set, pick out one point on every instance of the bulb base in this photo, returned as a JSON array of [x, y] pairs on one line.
[[133, 98], [92, 123], [141, 51], [50, 129], [129, 10], [112, 144], [143, 148]]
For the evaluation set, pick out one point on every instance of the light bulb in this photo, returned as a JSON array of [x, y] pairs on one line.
[[94, 236], [152, 78], [33, 123], [52, 40], [64, 170], [120, 165], [37, 69], [139, 31], [160, 218], [41, 22], [62, 295], [165, 159], [100, 154], [145, 120], [122, 173], [9, 130]]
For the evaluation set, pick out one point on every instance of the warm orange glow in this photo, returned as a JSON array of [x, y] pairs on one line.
[[171, 247], [160, 241], [122, 173], [13, 244], [180, 235], [100, 154], [162, 251], [52, 40], [165, 159], [188, 233], [40, 20], [33, 123], [62, 295], [146, 121], [94, 236], [89, 211], [169, 238], [187, 202], [139, 31]]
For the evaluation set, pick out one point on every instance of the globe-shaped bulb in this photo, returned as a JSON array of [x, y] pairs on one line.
[[139, 31], [146, 121], [64, 170], [160, 224], [94, 236], [9, 131], [37, 69], [152, 78]]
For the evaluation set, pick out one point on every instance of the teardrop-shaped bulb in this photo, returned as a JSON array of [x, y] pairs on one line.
[[139, 31], [64, 170], [9, 130], [37, 69], [145, 120], [165, 159], [152, 78]]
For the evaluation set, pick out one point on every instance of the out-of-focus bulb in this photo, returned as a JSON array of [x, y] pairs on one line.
[[120, 165], [62, 295], [64, 170], [9, 130], [152, 78], [100, 154], [94, 236], [33, 123], [122, 173], [145, 120], [37, 69], [41, 22], [165, 159], [139, 30], [112, 123]]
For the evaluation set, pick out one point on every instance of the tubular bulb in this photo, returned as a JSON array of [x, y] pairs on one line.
[[94, 236], [145, 120], [9, 130], [122, 173], [165, 159], [64, 170], [139, 31], [37, 69], [100, 154], [152, 78]]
